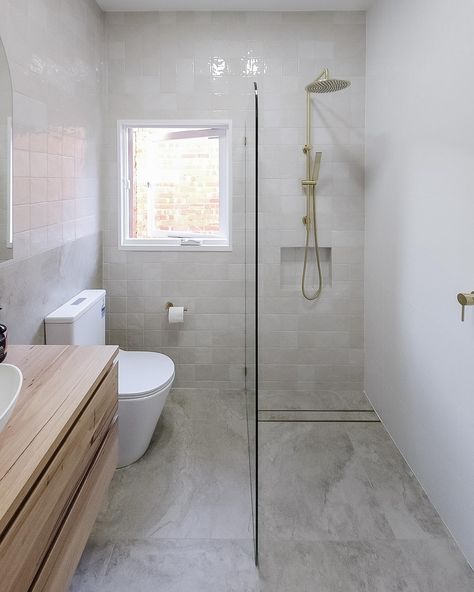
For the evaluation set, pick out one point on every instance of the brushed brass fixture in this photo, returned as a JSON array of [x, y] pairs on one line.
[[465, 299], [168, 305], [323, 84]]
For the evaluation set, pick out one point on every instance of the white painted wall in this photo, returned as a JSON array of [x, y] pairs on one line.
[[420, 243]]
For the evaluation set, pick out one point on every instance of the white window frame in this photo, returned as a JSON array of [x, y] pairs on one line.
[[177, 241]]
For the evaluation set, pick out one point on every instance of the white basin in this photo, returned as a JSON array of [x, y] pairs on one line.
[[11, 380]]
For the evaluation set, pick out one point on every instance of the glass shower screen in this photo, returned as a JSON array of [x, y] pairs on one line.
[[251, 301]]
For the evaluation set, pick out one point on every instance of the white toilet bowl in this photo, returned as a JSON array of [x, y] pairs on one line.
[[145, 380]]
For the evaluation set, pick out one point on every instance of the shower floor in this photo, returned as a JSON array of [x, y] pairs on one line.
[[347, 398], [340, 511]]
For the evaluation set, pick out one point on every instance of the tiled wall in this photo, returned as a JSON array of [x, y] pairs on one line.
[[202, 65], [55, 53], [312, 346], [6, 109]]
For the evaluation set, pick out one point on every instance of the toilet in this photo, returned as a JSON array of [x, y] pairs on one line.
[[144, 378]]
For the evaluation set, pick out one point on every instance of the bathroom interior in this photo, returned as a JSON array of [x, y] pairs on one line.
[[236, 330]]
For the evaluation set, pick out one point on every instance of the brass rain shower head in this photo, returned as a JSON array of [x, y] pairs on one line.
[[325, 84]]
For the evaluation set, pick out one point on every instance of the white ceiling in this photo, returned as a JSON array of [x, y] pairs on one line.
[[263, 5]]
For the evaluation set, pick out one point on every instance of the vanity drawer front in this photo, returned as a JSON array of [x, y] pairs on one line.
[[27, 539], [65, 553]]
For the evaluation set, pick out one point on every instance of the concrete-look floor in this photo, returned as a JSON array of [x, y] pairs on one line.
[[339, 511], [180, 519], [342, 512]]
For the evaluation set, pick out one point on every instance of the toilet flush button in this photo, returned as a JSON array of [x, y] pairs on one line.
[[77, 302]]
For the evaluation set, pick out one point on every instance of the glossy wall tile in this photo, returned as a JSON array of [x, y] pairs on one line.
[[203, 65], [55, 51]]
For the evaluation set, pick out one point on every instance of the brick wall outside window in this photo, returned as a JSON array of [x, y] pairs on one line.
[[175, 184]]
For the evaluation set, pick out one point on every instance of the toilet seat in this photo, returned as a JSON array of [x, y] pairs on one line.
[[141, 374]]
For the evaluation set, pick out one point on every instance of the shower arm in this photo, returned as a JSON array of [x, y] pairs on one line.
[[307, 147]]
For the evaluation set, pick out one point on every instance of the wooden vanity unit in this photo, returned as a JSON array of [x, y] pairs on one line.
[[58, 453]]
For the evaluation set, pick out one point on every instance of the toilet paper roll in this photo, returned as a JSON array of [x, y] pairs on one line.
[[176, 314]]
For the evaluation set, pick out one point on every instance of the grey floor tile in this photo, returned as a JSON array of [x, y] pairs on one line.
[[226, 406], [356, 566], [398, 492], [179, 566], [340, 510], [313, 487], [192, 483], [340, 482], [330, 567], [93, 565], [354, 399], [438, 565], [285, 566]]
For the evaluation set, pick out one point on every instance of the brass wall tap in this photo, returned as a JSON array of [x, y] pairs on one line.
[[465, 299]]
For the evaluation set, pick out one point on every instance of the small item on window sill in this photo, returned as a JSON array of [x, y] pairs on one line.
[[191, 242]]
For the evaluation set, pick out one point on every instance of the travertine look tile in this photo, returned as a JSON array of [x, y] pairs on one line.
[[368, 566], [171, 566], [193, 481], [340, 511]]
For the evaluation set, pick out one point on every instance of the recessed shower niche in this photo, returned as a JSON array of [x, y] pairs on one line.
[[291, 265]]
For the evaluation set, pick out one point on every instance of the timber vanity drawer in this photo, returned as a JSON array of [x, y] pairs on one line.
[[66, 550], [67, 459]]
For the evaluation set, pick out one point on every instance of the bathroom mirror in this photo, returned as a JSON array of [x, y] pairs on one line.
[[6, 190]]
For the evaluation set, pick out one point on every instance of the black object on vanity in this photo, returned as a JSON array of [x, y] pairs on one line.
[[3, 341]]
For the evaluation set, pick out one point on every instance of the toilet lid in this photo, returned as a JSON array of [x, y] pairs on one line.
[[142, 373]]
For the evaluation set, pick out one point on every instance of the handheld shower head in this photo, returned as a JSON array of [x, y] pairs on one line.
[[325, 84]]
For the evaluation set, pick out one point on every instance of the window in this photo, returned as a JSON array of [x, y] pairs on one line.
[[175, 185]]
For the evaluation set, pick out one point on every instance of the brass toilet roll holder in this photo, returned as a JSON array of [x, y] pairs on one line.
[[168, 305]]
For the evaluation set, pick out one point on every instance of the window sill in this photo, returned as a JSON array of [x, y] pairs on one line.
[[173, 246]]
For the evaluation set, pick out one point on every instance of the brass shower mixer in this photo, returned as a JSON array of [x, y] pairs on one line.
[[465, 299]]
